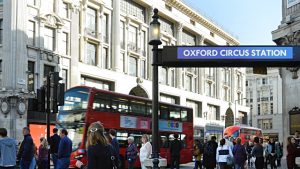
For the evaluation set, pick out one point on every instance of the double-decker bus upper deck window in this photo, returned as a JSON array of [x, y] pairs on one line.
[[164, 112], [184, 115], [149, 109], [76, 99], [101, 102], [138, 107], [121, 104], [174, 113]]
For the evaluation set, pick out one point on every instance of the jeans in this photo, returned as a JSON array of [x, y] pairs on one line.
[[198, 164], [272, 161], [63, 163], [54, 159], [33, 163], [131, 164]]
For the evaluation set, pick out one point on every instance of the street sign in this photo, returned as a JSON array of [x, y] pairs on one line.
[[230, 56]]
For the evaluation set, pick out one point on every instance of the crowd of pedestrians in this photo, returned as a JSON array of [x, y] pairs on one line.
[[231, 154]]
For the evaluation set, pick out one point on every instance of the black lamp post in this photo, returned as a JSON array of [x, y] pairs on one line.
[[155, 41]]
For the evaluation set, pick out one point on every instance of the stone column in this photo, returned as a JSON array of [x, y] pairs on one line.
[[75, 46], [115, 36], [179, 42]]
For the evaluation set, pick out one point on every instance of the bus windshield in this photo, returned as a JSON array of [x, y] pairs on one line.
[[76, 99]]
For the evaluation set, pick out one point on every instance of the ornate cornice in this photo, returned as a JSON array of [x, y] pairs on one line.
[[200, 19], [51, 19]]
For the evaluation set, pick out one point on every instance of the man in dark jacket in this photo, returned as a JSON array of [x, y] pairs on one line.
[[26, 151], [114, 141], [175, 148], [209, 155], [64, 150], [54, 143]]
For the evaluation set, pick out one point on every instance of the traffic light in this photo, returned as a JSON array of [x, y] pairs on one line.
[[41, 99], [57, 92]]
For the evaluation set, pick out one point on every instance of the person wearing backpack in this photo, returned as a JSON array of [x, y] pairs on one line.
[[209, 155], [100, 154]]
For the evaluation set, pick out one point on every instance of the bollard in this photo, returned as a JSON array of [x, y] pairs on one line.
[[162, 163]]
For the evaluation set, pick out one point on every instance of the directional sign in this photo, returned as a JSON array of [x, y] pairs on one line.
[[230, 56]]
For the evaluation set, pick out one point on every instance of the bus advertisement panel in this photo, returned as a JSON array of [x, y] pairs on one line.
[[128, 115]]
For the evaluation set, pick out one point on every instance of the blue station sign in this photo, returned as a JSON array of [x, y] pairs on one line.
[[232, 56]]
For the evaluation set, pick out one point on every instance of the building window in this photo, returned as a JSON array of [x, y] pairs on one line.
[[49, 6], [188, 83], [271, 94], [172, 77], [64, 46], [106, 59], [258, 109], [142, 49], [97, 83], [132, 66], [122, 35], [31, 33], [163, 75], [143, 69], [133, 9], [47, 70], [30, 80], [210, 89], [265, 124], [226, 94], [1, 31], [132, 38], [258, 96], [91, 21], [65, 78], [197, 107], [91, 53], [49, 38], [122, 62], [166, 26], [188, 38], [104, 28], [65, 10], [213, 112], [169, 99], [264, 81], [271, 108]]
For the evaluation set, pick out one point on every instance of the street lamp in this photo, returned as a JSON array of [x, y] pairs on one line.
[[155, 41], [235, 109]]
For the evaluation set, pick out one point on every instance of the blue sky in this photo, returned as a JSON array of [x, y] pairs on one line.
[[250, 20]]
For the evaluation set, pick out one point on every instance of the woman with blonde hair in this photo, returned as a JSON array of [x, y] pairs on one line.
[[146, 150], [101, 155], [43, 154]]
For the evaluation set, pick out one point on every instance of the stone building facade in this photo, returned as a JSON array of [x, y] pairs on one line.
[[104, 43], [264, 97], [288, 33]]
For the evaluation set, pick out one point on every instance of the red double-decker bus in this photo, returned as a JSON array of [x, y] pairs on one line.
[[244, 132], [129, 115]]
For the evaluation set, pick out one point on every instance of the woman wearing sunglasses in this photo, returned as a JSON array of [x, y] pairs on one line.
[[100, 153]]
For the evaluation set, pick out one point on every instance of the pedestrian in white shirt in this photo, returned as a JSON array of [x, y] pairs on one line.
[[223, 152], [146, 150]]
